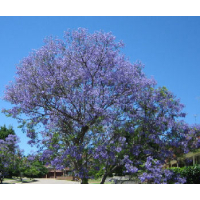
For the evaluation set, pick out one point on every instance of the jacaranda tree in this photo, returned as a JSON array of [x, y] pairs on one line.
[[10, 155], [9, 144], [80, 90], [151, 132]]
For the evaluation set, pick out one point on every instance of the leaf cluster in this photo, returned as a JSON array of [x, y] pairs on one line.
[[191, 173], [4, 132]]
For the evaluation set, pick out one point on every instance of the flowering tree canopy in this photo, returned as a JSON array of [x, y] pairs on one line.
[[95, 106]]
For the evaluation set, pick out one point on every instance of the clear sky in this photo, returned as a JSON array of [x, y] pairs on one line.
[[169, 47]]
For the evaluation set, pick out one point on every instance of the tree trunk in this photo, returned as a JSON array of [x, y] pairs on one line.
[[108, 173], [10, 174], [103, 179], [84, 181]]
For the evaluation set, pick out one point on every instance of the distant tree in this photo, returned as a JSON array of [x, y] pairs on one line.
[[9, 150], [4, 132], [34, 168], [10, 153]]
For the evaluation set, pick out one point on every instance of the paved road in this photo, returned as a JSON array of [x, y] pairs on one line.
[[51, 181], [39, 181]]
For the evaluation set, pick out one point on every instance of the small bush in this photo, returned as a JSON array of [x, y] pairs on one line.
[[191, 173]]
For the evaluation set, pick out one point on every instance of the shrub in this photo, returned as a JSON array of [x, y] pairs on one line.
[[191, 173]]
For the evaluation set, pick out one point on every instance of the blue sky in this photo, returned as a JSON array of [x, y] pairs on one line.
[[169, 47]]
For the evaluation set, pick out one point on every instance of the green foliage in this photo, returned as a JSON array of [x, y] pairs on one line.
[[119, 171], [4, 132], [9, 154], [163, 91], [35, 170], [31, 172], [97, 174], [191, 173]]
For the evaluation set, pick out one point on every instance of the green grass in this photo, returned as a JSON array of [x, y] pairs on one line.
[[97, 181], [17, 180], [6, 179], [10, 181]]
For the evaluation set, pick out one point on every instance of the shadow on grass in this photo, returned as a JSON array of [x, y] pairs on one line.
[[18, 181], [30, 181]]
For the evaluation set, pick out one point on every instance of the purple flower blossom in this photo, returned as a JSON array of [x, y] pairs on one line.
[[94, 106]]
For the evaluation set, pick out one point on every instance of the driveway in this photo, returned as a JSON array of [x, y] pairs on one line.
[[51, 181]]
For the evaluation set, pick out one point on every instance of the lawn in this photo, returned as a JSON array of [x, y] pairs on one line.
[[7, 179], [97, 181], [17, 180]]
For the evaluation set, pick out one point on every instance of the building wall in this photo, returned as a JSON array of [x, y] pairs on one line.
[[191, 158], [52, 173]]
